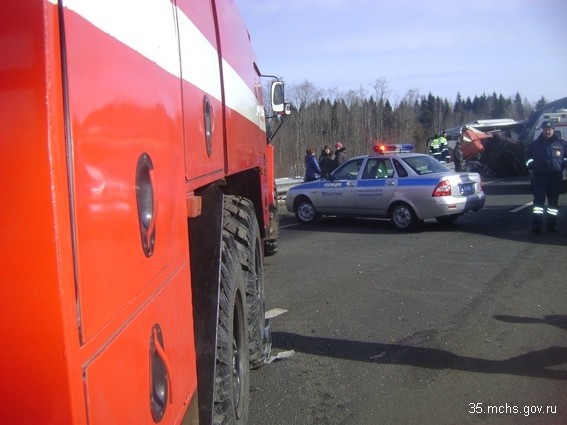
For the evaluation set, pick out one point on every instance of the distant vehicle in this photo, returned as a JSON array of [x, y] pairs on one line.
[[496, 146], [392, 183], [505, 125], [524, 131]]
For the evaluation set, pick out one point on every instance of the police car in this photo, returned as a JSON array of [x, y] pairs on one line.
[[392, 183]]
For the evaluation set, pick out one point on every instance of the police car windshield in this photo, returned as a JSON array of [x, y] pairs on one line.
[[425, 164]]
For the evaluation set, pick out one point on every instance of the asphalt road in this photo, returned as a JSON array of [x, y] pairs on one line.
[[454, 324]]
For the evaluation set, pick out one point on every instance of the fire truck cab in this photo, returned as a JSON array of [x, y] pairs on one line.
[[139, 202]]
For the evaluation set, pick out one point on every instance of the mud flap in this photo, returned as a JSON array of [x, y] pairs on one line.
[[205, 233], [271, 241]]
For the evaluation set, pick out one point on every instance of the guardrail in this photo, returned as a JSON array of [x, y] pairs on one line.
[[283, 184]]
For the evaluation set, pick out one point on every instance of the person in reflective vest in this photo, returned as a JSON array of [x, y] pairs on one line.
[[444, 147], [434, 145], [546, 158]]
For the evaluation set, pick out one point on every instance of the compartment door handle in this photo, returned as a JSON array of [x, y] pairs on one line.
[[160, 381], [146, 201]]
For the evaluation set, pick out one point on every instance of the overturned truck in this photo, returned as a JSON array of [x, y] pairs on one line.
[[495, 147], [492, 154]]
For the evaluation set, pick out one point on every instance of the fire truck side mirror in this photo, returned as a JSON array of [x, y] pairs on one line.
[[288, 108], [278, 104]]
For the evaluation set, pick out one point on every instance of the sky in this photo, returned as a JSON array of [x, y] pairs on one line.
[[442, 47]]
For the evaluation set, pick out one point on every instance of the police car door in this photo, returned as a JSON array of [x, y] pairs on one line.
[[337, 195], [376, 187]]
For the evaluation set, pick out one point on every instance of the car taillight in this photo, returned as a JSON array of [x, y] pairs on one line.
[[442, 189]]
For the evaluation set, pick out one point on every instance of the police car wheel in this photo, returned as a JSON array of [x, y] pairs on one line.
[[403, 217], [305, 212]]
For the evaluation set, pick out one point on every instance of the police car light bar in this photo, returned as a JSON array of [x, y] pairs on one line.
[[392, 148]]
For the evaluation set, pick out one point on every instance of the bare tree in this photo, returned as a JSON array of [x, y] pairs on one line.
[[382, 93], [304, 94]]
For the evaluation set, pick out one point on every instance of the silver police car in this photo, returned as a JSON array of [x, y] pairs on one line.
[[391, 183]]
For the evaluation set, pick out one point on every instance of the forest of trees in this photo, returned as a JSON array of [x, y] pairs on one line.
[[360, 118]]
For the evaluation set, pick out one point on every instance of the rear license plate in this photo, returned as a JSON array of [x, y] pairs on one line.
[[467, 189]]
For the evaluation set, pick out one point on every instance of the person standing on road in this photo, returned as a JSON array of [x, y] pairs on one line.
[[312, 169], [434, 145], [546, 157], [326, 162], [444, 147], [340, 155]]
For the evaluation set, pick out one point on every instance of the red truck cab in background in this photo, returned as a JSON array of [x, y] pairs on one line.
[[139, 201]]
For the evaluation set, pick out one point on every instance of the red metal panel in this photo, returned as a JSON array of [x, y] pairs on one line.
[[122, 105], [117, 384], [204, 157], [246, 134], [201, 14], [248, 143], [36, 273], [244, 140], [236, 43], [472, 145]]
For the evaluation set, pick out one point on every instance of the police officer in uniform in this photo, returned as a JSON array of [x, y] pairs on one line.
[[434, 147], [443, 146], [547, 156]]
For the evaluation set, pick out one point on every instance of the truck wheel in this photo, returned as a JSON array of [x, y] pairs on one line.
[[403, 217], [240, 220], [232, 387]]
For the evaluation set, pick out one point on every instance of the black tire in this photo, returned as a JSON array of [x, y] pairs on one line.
[[305, 212], [240, 220], [403, 217], [448, 219], [232, 373]]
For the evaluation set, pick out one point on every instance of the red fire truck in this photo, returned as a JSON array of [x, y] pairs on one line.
[[138, 203]]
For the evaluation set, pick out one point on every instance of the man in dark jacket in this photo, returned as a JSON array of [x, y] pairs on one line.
[[312, 169], [546, 157], [326, 162]]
